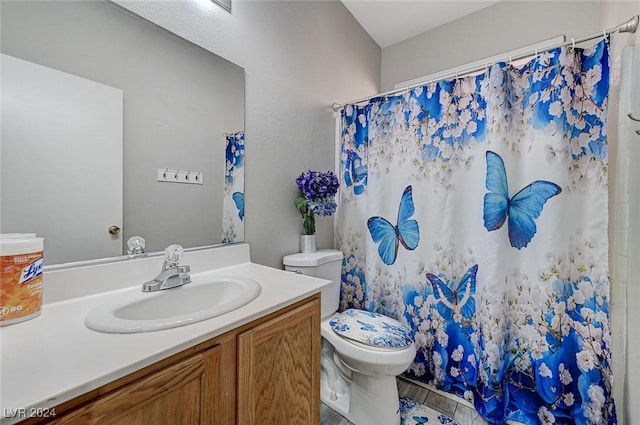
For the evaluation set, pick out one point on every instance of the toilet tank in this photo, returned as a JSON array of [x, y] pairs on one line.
[[325, 264]]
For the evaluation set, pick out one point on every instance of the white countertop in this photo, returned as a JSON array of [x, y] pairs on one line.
[[53, 358]]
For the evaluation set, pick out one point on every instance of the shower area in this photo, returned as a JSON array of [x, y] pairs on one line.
[[490, 213]]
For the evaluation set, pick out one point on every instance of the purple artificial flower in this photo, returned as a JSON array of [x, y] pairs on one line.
[[317, 196], [315, 185]]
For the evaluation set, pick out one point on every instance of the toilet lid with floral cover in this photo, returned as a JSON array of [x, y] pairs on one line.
[[371, 329]]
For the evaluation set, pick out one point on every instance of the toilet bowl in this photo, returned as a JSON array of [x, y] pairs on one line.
[[362, 352], [368, 394]]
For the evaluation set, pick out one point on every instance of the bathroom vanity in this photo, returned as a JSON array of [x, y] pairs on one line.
[[258, 364]]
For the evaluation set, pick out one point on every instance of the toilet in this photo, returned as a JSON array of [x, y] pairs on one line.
[[362, 352]]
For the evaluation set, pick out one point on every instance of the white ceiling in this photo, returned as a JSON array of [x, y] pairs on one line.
[[391, 21]]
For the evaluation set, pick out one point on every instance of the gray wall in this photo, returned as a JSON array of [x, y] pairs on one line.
[[299, 57], [505, 26], [179, 99]]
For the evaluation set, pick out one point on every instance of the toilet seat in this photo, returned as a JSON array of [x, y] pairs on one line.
[[371, 329], [351, 350]]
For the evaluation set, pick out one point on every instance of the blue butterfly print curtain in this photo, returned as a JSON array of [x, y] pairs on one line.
[[233, 202], [474, 210]]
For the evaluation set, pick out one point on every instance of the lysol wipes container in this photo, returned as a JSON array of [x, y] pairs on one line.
[[21, 265]]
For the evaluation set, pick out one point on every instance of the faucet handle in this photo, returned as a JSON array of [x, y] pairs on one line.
[[136, 245], [172, 255]]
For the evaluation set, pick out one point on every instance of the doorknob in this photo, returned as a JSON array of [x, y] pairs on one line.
[[113, 230]]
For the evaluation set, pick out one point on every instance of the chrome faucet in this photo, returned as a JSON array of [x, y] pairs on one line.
[[171, 275]]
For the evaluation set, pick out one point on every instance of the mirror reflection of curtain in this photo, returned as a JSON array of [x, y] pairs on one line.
[[474, 210], [233, 204]]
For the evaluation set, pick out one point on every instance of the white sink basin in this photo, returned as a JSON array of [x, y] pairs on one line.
[[133, 311]]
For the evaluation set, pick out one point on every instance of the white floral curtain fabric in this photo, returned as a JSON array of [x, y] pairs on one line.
[[233, 203], [474, 211]]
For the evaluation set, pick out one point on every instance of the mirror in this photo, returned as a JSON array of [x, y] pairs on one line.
[[180, 175]]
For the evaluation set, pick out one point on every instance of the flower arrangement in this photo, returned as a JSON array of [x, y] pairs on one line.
[[317, 192]]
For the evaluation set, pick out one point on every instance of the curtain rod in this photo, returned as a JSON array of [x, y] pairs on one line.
[[232, 134], [629, 26]]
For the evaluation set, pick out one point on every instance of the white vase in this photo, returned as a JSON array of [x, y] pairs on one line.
[[307, 243]]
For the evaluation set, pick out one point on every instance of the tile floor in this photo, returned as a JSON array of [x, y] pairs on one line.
[[463, 414]]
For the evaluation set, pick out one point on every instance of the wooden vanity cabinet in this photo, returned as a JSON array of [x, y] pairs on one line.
[[265, 372], [278, 369], [174, 395]]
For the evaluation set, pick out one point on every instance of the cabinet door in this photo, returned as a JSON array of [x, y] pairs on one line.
[[179, 394], [279, 370]]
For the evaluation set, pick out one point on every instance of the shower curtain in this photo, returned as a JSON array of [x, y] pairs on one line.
[[474, 210]]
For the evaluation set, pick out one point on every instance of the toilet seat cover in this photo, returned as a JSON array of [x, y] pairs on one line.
[[371, 329]]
